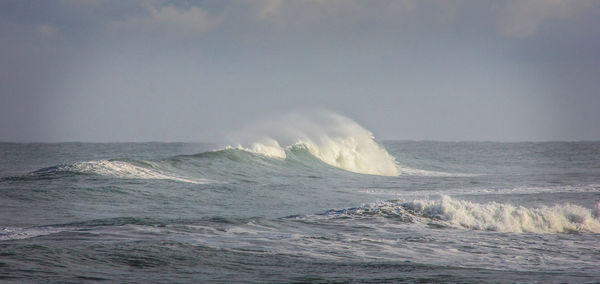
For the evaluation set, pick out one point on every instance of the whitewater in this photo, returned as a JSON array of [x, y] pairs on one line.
[[303, 197]]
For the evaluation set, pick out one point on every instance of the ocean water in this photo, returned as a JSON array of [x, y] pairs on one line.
[[321, 201]]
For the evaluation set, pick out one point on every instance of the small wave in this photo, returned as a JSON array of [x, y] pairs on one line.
[[17, 233], [500, 217], [120, 169], [403, 170]]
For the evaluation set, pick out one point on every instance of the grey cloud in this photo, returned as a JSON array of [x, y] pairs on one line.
[[523, 18]]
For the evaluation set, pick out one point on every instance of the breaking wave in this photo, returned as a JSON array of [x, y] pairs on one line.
[[304, 141], [334, 139], [492, 216]]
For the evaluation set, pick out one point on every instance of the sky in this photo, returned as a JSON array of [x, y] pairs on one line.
[[150, 70]]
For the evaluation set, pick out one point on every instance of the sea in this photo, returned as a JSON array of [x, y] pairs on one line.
[[308, 200]]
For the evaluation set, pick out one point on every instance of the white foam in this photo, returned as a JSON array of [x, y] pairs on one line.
[[267, 147], [507, 217], [418, 172], [121, 169], [16, 233], [334, 139]]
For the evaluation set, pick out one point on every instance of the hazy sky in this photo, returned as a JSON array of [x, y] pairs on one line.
[[76, 70]]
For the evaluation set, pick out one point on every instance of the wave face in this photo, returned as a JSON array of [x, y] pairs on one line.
[[121, 169], [500, 217], [334, 139]]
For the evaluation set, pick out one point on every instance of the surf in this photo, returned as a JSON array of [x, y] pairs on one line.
[[492, 216]]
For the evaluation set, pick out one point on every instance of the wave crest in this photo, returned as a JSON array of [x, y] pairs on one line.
[[120, 169], [334, 139], [493, 216], [504, 217]]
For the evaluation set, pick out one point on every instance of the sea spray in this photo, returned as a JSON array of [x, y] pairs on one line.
[[332, 138]]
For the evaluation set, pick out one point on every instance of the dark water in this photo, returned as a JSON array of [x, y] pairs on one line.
[[154, 212]]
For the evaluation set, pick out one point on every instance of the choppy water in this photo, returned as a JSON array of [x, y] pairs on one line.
[[449, 212]]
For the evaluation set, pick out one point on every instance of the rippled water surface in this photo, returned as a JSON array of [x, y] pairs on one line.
[[315, 211]]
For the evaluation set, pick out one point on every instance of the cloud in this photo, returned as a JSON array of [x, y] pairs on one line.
[[47, 31], [172, 19], [268, 8], [523, 18], [328, 15]]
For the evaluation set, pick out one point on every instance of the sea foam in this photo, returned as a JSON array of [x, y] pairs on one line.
[[17, 233], [505, 217], [492, 216]]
